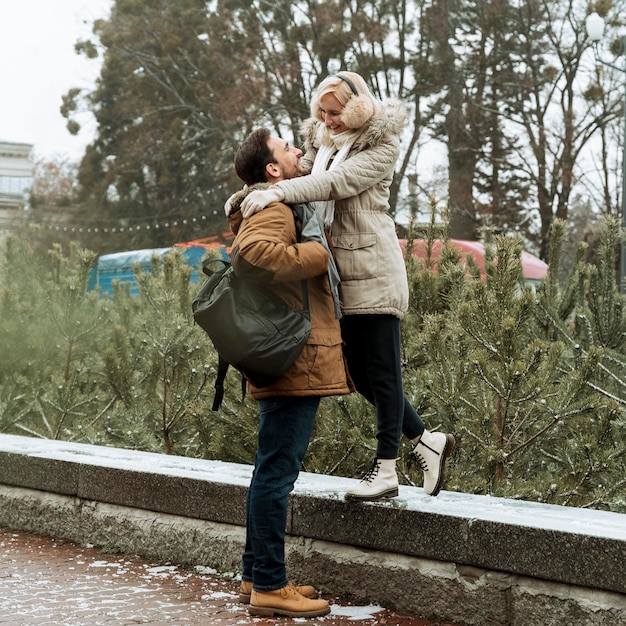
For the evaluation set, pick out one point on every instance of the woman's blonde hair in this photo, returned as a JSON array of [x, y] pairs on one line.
[[359, 105]]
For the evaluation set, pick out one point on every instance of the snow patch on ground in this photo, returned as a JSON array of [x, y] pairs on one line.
[[355, 612]]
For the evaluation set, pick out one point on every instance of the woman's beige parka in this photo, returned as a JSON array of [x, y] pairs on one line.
[[368, 254]]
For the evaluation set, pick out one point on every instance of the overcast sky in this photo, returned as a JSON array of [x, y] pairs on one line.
[[38, 66]]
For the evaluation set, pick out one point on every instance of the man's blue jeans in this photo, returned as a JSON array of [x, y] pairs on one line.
[[285, 429]]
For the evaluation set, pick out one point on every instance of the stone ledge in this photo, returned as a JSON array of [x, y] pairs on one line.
[[426, 588], [572, 546]]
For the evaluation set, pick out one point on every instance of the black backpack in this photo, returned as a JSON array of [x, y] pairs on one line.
[[251, 328]]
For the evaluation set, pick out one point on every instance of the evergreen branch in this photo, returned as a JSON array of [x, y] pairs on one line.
[[482, 342], [555, 323], [585, 477], [606, 394], [617, 488], [342, 459], [476, 438], [534, 437], [486, 380], [109, 405], [616, 379], [521, 423], [34, 433], [43, 416], [406, 477], [547, 427], [552, 457], [467, 403], [603, 368]]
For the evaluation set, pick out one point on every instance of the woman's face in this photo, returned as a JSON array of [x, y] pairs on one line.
[[331, 110]]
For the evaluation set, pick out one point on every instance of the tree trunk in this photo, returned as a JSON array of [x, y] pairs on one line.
[[462, 163]]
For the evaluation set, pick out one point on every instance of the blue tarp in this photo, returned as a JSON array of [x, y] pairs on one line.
[[119, 266]]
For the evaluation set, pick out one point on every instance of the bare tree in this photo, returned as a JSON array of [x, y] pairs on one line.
[[510, 89]]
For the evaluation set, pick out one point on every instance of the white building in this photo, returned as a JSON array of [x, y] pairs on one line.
[[16, 178], [16, 173]]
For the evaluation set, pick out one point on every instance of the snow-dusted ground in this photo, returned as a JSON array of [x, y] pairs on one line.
[[58, 583]]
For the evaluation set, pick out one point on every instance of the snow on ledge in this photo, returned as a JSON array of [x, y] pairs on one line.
[[460, 505]]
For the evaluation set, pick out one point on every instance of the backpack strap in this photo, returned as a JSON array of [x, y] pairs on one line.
[[222, 369], [297, 218]]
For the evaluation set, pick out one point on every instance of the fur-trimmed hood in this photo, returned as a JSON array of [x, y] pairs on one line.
[[388, 120]]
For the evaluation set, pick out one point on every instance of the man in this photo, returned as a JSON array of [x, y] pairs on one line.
[[266, 248]]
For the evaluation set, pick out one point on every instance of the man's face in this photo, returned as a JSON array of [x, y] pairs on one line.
[[287, 159]]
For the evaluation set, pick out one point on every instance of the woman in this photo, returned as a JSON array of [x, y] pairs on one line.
[[352, 146]]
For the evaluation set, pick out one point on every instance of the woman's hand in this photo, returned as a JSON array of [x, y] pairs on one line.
[[257, 200]]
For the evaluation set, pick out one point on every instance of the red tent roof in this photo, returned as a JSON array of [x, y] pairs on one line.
[[533, 267]]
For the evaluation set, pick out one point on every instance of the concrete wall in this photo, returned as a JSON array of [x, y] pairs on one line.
[[469, 559]]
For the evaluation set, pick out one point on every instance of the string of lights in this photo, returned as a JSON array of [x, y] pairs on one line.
[[86, 228]]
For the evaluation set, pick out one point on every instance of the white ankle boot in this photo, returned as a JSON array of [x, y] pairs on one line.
[[381, 481], [431, 452]]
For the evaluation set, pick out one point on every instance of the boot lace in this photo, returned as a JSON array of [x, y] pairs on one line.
[[289, 590], [421, 461], [371, 473]]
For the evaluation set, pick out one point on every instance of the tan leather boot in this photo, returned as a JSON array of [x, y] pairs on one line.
[[381, 481], [431, 452], [286, 601], [245, 591]]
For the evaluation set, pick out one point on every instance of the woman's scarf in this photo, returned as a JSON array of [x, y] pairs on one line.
[[339, 146]]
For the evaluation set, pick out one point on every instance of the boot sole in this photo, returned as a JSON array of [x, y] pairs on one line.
[[447, 451], [267, 611], [390, 493]]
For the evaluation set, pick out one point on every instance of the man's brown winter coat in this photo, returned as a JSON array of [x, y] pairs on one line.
[[266, 249]]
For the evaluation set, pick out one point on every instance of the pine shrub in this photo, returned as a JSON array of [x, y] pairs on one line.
[[530, 382]]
